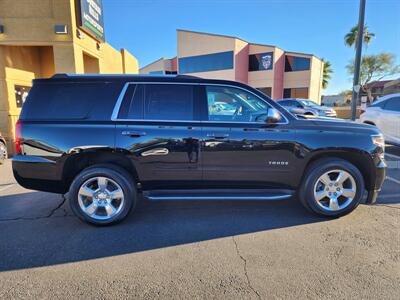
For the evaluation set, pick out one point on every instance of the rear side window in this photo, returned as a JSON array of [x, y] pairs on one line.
[[393, 104], [168, 102], [379, 104], [70, 101], [132, 104]]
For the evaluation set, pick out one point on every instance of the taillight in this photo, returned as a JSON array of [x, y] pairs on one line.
[[18, 149]]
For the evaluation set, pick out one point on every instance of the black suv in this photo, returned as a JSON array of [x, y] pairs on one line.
[[104, 139]]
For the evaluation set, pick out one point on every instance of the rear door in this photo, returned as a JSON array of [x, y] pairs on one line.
[[159, 130]]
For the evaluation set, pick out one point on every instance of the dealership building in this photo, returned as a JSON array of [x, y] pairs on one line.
[[42, 37], [276, 72]]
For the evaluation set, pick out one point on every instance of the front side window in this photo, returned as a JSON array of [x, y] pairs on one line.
[[205, 63], [261, 61], [296, 63], [230, 104]]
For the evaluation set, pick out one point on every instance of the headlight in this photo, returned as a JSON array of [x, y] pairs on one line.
[[378, 140]]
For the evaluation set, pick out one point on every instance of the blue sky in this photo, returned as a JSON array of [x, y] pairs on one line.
[[148, 28]]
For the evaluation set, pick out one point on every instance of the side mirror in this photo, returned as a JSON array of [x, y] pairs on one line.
[[273, 116]]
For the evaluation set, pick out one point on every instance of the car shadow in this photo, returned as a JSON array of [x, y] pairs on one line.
[[62, 238]]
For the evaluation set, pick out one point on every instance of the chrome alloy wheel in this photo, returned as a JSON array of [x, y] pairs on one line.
[[101, 198], [335, 190]]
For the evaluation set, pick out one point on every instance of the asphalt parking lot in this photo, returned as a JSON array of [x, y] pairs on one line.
[[192, 250]]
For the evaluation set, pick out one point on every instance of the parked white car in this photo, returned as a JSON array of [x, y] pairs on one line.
[[385, 114]]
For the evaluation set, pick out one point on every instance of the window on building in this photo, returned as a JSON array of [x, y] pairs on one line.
[[156, 72], [261, 61], [168, 102], [266, 90], [205, 63], [296, 63], [295, 93], [393, 104], [21, 92]]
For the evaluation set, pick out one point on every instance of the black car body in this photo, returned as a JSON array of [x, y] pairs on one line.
[[162, 135]]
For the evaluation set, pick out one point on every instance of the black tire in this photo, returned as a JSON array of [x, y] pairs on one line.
[[313, 173], [115, 173], [3, 152]]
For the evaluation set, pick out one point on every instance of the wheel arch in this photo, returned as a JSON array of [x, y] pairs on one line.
[[360, 159], [76, 163]]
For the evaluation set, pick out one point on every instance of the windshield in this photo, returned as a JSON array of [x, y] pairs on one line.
[[309, 103]]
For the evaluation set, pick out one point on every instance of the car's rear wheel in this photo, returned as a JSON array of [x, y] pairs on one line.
[[102, 195], [332, 187], [3, 152]]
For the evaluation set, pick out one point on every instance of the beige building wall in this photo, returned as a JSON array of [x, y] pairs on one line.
[[317, 69], [30, 49], [158, 65], [193, 43]]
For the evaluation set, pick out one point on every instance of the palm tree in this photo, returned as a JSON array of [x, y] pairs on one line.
[[326, 75], [351, 37]]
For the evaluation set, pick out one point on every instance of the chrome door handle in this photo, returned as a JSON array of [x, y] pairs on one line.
[[133, 133], [218, 135], [157, 151]]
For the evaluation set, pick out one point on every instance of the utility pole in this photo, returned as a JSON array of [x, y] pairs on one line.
[[356, 79]]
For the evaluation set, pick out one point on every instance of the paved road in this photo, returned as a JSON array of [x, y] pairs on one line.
[[196, 250]]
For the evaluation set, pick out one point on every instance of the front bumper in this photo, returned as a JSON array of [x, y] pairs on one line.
[[380, 176]]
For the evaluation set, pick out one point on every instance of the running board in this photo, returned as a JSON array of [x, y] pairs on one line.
[[217, 194]]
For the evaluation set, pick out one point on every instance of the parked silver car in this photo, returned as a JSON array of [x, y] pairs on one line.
[[385, 114], [3, 149], [306, 107]]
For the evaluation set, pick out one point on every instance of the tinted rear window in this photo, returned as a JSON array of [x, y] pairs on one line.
[[71, 101]]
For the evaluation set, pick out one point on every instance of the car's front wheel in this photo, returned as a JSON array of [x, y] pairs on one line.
[[102, 195], [3, 152], [332, 187]]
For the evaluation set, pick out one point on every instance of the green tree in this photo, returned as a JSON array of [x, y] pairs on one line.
[[326, 75], [350, 39], [374, 67]]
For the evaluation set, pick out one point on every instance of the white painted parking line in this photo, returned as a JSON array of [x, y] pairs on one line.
[[392, 156], [393, 179], [388, 196], [391, 164]]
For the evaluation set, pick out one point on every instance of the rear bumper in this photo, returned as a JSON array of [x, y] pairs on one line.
[[37, 173]]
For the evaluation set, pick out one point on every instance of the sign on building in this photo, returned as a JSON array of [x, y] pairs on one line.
[[90, 18]]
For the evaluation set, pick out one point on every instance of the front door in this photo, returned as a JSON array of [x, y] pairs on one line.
[[157, 130], [239, 148]]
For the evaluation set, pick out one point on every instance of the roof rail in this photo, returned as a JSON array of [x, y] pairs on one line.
[[65, 75]]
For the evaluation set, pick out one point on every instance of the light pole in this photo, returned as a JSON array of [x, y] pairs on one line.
[[356, 79]]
